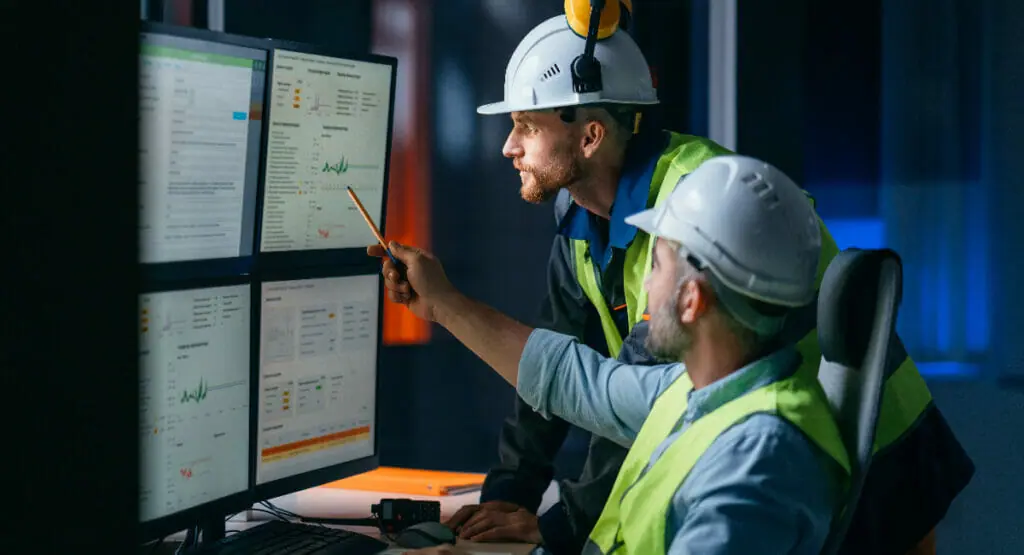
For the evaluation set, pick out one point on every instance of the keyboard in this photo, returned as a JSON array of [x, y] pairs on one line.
[[278, 537]]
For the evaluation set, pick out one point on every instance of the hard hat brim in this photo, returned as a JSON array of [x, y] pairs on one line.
[[494, 108], [645, 221], [504, 107]]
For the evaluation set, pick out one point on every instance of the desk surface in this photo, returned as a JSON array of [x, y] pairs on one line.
[[340, 503]]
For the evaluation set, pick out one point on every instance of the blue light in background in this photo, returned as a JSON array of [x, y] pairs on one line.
[[977, 271], [869, 233], [863, 233]]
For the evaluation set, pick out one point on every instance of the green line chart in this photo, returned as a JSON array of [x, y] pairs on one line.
[[343, 166], [197, 394]]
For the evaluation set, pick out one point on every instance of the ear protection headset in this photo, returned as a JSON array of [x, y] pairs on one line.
[[594, 20]]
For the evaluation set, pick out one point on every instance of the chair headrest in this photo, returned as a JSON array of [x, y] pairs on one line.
[[847, 304]]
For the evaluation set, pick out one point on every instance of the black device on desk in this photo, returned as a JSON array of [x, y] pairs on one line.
[[260, 313]]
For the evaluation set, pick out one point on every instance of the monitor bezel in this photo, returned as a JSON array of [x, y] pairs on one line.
[[320, 476], [344, 256], [234, 265], [163, 526]]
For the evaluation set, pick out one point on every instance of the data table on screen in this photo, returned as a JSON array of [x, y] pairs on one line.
[[200, 112], [317, 381], [193, 397], [328, 130]]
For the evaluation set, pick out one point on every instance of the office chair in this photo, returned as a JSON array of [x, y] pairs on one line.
[[857, 305]]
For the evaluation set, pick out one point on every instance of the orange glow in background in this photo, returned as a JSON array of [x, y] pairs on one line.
[[400, 29]]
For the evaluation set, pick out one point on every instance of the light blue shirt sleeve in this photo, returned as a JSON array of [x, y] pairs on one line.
[[559, 376], [762, 487]]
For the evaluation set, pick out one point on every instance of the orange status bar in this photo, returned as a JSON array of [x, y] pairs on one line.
[[314, 441]]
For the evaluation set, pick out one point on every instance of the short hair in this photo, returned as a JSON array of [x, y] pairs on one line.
[[623, 116], [754, 344]]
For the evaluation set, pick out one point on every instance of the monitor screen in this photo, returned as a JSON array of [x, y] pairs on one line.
[[318, 374], [328, 130], [200, 112], [194, 353]]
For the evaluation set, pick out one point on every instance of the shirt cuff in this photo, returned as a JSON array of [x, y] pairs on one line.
[[557, 533], [542, 355]]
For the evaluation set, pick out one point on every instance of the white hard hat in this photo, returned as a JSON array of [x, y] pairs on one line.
[[750, 225], [539, 74]]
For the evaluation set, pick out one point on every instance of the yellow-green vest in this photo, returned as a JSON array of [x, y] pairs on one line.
[[634, 517], [682, 155], [906, 395]]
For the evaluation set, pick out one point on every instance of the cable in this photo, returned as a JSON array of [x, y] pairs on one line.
[[274, 507], [189, 542], [155, 544], [272, 513], [341, 521]]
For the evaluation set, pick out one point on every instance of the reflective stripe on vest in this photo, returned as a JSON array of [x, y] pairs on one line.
[[906, 395], [633, 519], [682, 155]]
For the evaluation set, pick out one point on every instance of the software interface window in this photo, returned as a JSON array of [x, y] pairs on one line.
[[328, 125], [200, 108], [318, 371], [193, 397]]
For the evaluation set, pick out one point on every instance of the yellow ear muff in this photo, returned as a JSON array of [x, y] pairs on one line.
[[577, 13]]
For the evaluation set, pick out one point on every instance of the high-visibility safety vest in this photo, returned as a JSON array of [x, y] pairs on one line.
[[682, 155], [633, 519], [905, 396]]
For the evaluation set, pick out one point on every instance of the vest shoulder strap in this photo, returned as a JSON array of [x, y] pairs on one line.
[[795, 399]]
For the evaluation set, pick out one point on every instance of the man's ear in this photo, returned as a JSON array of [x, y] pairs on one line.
[[594, 134], [694, 300]]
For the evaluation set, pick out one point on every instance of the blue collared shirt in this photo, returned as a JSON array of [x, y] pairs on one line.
[[630, 197], [761, 487]]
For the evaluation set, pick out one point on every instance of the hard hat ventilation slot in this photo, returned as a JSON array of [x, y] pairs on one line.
[[761, 188], [551, 72]]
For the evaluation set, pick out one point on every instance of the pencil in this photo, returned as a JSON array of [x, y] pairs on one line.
[[369, 222]]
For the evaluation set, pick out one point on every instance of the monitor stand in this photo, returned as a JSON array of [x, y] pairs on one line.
[[212, 529]]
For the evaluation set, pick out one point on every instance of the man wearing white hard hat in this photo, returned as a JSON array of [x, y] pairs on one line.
[[734, 451], [576, 138]]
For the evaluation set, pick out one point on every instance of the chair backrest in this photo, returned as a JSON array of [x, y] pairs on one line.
[[857, 306]]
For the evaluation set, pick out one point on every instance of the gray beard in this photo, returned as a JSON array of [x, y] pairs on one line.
[[667, 339]]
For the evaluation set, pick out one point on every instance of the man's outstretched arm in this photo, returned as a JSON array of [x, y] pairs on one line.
[[553, 373], [494, 337]]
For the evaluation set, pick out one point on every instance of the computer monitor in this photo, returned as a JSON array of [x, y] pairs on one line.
[[316, 411], [329, 128], [201, 100], [194, 405]]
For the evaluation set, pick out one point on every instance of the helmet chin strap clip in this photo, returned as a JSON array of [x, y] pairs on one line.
[[586, 70]]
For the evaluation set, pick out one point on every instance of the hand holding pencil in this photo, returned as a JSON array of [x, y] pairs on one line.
[[412, 276], [373, 226]]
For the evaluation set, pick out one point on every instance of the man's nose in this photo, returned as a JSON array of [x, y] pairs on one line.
[[512, 148]]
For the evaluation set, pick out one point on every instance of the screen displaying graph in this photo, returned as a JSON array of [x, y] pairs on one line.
[[194, 397], [318, 374], [200, 112], [328, 125]]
